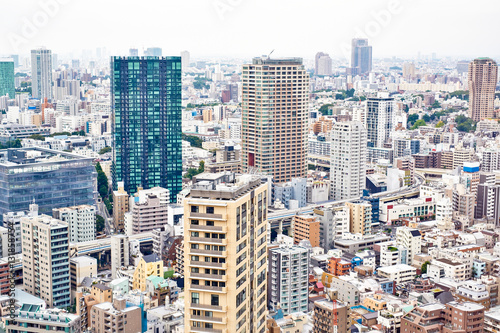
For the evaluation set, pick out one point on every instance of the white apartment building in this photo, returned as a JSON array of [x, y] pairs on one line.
[[411, 239], [81, 222], [400, 273]]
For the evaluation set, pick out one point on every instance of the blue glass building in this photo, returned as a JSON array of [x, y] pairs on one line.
[[146, 101]]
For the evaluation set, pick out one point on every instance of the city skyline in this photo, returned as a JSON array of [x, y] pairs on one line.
[[384, 23]]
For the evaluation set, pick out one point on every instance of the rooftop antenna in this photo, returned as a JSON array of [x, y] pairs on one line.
[[269, 55]]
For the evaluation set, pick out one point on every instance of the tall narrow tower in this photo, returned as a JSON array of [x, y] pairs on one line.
[[41, 73], [483, 74], [275, 101]]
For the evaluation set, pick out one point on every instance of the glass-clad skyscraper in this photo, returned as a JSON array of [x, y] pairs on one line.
[[146, 101], [7, 78]]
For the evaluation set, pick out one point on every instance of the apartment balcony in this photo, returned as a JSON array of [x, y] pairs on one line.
[[204, 330], [206, 240], [209, 228], [214, 308], [209, 288], [205, 319], [209, 276], [208, 252], [207, 264], [207, 216]]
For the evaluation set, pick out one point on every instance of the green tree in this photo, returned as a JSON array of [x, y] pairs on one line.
[[440, 124], [418, 123], [37, 137], [423, 270], [102, 181], [99, 223], [412, 119], [60, 133], [193, 140], [436, 105], [426, 118], [80, 133], [191, 172], [104, 150], [108, 204], [325, 109]]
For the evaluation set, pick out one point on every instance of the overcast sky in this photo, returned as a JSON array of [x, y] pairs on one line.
[[246, 28]]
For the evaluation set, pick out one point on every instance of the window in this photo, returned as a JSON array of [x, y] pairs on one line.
[[214, 300], [195, 298], [211, 223], [194, 209], [210, 210]]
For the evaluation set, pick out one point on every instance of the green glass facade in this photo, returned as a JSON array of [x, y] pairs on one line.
[[146, 101], [7, 78]]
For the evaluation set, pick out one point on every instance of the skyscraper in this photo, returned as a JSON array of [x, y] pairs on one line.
[[323, 64], [45, 248], [483, 74], [146, 101], [185, 58], [133, 52], [225, 246], [7, 78], [348, 160], [153, 52], [361, 56], [41, 73], [379, 119], [275, 97]]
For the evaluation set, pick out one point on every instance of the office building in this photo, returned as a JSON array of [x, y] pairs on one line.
[[185, 59], [153, 52], [120, 207], [306, 227], [41, 74], [116, 317], [379, 119], [483, 75], [361, 56], [45, 249], [133, 52], [53, 179], [288, 279], [7, 86], [275, 118], [81, 222], [225, 246], [33, 319], [331, 317], [348, 160], [146, 99], [323, 64]]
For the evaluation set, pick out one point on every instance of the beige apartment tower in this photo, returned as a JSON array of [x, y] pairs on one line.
[[225, 245], [120, 207], [483, 74], [275, 97]]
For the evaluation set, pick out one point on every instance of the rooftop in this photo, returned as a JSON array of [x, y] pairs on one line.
[[35, 155]]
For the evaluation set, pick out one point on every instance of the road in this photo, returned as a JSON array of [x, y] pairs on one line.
[[103, 211]]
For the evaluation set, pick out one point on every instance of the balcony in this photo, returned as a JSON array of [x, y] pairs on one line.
[[206, 240], [208, 264], [207, 216], [209, 276], [214, 308], [203, 330], [197, 227], [209, 288], [208, 253], [205, 319]]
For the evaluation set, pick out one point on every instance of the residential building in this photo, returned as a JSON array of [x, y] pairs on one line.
[[360, 217], [334, 222], [400, 273], [442, 267], [328, 314], [288, 279], [116, 317], [41, 74], [52, 179], [379, 119], [149, 265], [120, 253], [33, 319], [81, 267], [45, 253], [475, 292], [483, 76], [274, 142], [225, 223], [147, 214], [146, 99], [120, 206], [411, 239], [81, 222], [306, 227], [348, 160]]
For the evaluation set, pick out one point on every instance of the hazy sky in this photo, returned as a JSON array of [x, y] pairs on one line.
[[245, 28]]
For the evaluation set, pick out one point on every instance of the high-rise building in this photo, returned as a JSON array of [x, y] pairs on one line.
[[120, 207], [408, 70], [146, 101], [483, 75], [81, 222], [120, 253], [7, 86], [306, 227], [274, 117], [379, 119], [52, 178], [45, 248], [361, 56], [225, 245], [41, 74], [488, 199], [146, 213], [328, 314], [185, 59], [116, 317], [323, 64], [348, 160], [133, 52], [360, 217], [288, 279], [153, 52]]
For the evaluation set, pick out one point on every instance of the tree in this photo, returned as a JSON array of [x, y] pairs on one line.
[[465, 124], [191, 172], [423, 270], [80, 133], [99, 223], [418, 123], [440, 124], [37, 137], [60, 133], [102, 181], [436, 105], [412, 119], [193, 140], [426, 118], [105, 150], [325, 109]]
